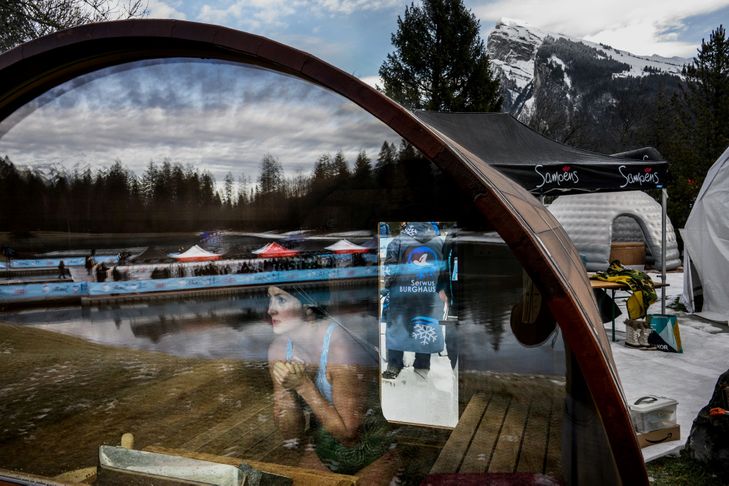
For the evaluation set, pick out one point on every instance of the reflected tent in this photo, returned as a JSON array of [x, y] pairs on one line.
[[274, 250], [195, 254], [346, 247]]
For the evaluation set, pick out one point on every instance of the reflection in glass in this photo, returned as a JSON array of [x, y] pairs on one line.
[[120, 172], [319, 369], [417, 274]]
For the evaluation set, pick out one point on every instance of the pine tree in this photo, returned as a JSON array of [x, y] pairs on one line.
[[323, 169], [698, 131], [440, 61], [386, 156], [228, 188], [706, 96], [339, 166], [271, 178], [362, 170]]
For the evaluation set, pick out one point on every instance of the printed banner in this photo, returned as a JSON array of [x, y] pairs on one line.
[[54, 262], [576, 178], [9, 293]]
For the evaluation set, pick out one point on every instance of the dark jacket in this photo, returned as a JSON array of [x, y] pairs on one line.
[[413, 262]]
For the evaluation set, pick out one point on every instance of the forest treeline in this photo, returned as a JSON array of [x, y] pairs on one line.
[[168, 196]]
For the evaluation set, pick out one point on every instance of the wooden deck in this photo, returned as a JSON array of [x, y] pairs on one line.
[[510, 425], [502, 434], [223, 407]]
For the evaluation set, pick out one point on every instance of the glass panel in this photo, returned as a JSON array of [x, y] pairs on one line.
[[190, 255], [418, 278]]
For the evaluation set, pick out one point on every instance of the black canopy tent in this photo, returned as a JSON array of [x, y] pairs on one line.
[[545, 167]]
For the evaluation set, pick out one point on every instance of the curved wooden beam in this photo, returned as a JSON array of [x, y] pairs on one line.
[[535, 237]]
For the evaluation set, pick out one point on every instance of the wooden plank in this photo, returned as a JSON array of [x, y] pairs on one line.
[[190, 428], [481, 450], [266, 443], [604, 284], [536, 438], [451, 455], [508, 444], [301, 476], [553, 459], [227, 426]]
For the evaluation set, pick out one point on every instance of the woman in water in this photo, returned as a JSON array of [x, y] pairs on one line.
[[321, 373]]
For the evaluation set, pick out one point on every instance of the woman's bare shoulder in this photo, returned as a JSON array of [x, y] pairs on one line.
[[277, 348], [345, 350]]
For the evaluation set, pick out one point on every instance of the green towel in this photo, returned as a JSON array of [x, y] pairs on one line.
[[644, 294]]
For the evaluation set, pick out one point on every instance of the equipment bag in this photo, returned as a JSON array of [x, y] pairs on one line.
[[664, 333]]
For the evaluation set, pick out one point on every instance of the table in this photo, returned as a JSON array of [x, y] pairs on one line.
[[614, 286]]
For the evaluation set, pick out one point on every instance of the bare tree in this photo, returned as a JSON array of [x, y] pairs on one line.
[[24, 20]]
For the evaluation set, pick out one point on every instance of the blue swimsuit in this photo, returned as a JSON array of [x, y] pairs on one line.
[[322, 384], [375, 437]]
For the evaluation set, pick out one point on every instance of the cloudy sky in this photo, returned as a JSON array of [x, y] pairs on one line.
[[355, 34], [216, 116], [223, 117]]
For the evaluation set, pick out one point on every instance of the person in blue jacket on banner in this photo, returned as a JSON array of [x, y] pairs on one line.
[[413, 262]]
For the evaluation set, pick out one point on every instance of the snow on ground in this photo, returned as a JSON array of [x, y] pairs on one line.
[[688, 378]]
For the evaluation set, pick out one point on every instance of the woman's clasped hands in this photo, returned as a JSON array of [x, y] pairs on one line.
[[289, 374]]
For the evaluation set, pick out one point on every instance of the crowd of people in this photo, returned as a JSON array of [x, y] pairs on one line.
[[102, 271], [308, 262]]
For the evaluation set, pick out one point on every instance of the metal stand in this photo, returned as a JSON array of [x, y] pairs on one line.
[[664, 200]]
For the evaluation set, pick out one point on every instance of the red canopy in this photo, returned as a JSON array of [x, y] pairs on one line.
[[274, 250]]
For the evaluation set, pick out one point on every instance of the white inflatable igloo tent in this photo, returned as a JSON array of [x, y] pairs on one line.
[[706, 244], [589, 220]]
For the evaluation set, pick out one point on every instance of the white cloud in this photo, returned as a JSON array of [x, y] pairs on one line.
[[637, 26], [643, 37], [351, 6], [266, 14], [159, 9], [373, 81], [217, 117], [257, 15]]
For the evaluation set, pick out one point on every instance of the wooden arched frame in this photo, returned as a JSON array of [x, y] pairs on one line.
[[537, 240]]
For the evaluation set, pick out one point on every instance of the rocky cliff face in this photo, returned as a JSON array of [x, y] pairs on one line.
[[513, 50], [536, 66]]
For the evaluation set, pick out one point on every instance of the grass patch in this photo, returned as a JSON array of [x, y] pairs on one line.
[[682, 470]]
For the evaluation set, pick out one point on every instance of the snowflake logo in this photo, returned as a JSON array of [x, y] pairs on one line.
[[424, 333]]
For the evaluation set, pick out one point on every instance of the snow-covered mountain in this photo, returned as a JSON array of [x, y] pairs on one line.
[[530, 61], [52, 170]]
